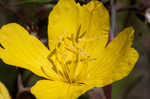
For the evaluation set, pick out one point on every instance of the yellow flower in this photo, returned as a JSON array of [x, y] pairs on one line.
[[4, 92], [78, 58]]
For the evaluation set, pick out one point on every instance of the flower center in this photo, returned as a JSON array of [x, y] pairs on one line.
[[69, 60]]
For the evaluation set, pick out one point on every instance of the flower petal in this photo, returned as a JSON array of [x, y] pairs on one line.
[[94, 19], [46, 89], [4, 94], [116, 61], [89, 23], [24, 50], [62, 21]]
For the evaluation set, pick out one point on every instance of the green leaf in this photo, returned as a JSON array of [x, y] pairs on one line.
[[34, 1]]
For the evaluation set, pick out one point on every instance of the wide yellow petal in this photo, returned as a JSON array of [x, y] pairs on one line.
[[116, 61], [46, 89], [4, 94], [88, 24], [80, 29], [94, 19], [63, 21], [92, 34], [24, 50]]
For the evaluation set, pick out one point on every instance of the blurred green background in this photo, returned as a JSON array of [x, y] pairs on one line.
[[32, 14]]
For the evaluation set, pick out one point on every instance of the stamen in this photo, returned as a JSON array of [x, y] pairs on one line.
[[78, 33], [70, 50], [52, 53], [54, 66], [68, 69], [42, 69], [83, 34]]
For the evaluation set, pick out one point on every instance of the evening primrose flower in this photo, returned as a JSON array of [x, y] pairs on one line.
[[78, 58], [4, 94]]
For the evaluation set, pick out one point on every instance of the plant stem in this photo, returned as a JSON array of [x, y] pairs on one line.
[[108, 91], [113, 15]]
